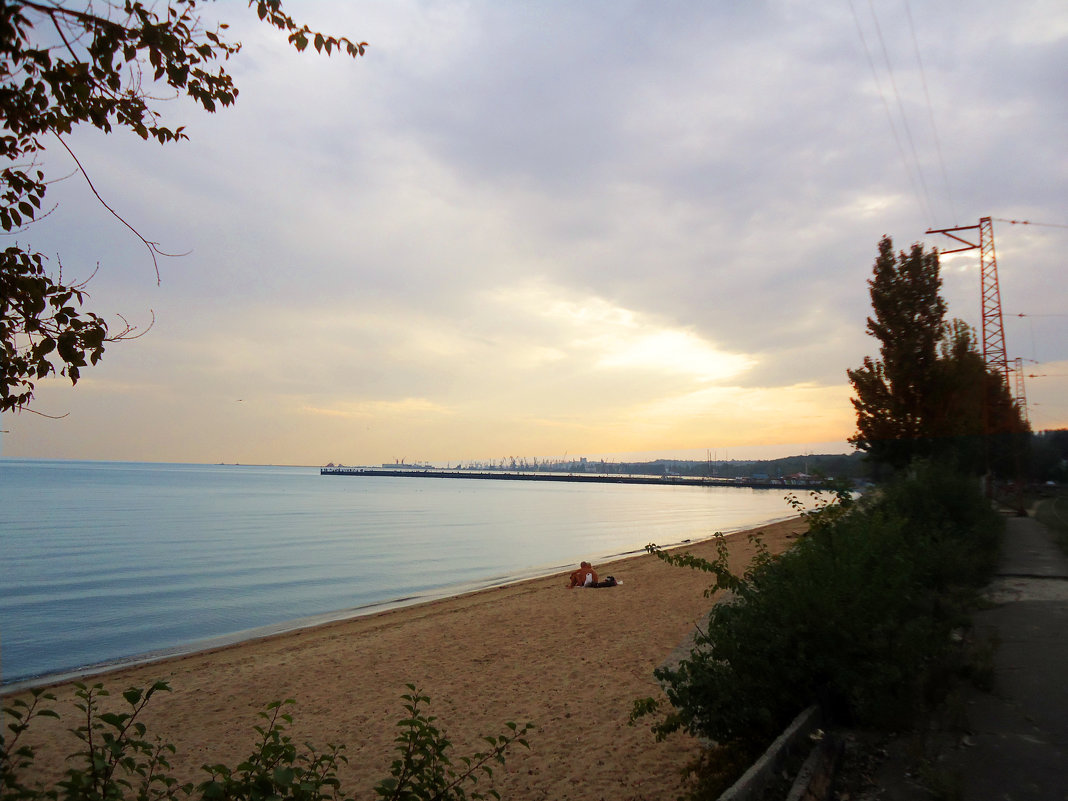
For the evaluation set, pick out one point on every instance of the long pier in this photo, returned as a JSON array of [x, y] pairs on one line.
[[587, 478]]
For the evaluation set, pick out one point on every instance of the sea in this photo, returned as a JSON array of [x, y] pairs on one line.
[[109, 563]]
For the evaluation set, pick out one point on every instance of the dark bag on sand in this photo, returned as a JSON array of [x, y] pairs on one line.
[[609, 581]]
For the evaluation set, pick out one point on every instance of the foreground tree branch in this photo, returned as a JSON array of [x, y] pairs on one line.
[[65, 65]]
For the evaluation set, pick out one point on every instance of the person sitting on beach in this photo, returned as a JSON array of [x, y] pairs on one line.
[[585, 576]]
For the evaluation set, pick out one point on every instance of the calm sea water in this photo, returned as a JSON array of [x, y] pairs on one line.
[[108, 562]]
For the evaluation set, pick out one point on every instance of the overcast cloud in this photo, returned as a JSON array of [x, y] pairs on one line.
[[525, 229]]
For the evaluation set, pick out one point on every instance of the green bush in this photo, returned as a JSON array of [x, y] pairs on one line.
[[118, 761], [855, 617]]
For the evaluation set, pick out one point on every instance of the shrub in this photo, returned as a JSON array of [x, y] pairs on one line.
[[854, 617], [118, 761]]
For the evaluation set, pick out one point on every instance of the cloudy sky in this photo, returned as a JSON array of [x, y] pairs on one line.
[[538, 229]]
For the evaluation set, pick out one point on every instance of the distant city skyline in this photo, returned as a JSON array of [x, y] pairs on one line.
[[590, 228]]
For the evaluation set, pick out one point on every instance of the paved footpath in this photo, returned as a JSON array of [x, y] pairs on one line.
[[1015, 743], [1018, 746]]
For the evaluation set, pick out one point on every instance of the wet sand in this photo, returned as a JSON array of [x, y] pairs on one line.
[[570, 661]]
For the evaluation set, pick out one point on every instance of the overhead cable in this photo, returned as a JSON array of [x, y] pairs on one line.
[[889, 113], [901, 111], [930, 114], [1028, 222]]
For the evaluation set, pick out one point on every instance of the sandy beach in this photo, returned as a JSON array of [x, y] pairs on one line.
[[570, 661]]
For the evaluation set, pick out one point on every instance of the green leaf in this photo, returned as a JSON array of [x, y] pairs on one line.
[[114, 719], [283, 776]]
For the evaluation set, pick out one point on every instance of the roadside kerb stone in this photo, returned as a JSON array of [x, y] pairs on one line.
[[767, 768]]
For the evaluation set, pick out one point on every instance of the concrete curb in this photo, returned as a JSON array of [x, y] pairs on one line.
[[766, 769], [815, 779]]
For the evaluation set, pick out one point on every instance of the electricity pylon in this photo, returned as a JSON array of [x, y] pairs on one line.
[[1021, 391], [993, 324], [993, 329]]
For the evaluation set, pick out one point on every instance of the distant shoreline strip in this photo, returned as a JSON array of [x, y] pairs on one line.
[[586, 478]]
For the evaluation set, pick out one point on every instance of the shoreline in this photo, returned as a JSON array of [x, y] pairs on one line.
[[570, 661], [242, 636]]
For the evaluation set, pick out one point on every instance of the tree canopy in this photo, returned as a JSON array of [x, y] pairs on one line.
[[929, 394], [893, 392], [102, 64]]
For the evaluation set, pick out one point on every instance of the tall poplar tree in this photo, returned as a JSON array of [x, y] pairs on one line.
[[894, 393], [930, 394]]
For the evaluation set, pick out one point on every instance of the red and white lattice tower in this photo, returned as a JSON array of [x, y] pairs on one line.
[[993, 324], [1021, 392]]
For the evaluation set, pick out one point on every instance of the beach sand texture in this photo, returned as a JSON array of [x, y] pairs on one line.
[[570, 661]]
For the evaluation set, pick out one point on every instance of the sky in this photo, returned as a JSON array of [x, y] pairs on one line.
[[560, 229]]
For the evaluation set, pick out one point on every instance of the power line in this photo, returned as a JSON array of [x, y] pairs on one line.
[[1028, 222], [930, 114], [886, 106], [901, 109]]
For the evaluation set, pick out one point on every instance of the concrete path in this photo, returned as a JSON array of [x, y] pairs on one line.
[[1014, 741], [1018, 746]]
